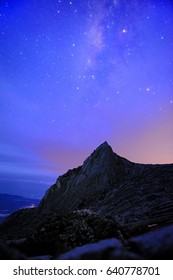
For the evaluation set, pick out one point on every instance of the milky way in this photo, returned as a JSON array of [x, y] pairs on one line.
[[76, 73]]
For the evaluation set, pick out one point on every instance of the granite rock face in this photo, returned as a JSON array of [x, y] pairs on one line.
[[136, 195], [81, 184]]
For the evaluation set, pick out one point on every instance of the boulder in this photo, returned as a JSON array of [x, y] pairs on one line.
[[8, 253], [108, 249], [157, 244]]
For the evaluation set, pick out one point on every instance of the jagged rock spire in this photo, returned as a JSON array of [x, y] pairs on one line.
[[101, 170], [103, 156], [136, 195]]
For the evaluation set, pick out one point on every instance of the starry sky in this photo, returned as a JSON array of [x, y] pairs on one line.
[[76, 73]]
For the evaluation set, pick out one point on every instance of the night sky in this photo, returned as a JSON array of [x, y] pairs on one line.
[[76, 73]]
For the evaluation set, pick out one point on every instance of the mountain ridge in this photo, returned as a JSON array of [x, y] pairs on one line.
[[97, 170], [135, 195], [109, 184]]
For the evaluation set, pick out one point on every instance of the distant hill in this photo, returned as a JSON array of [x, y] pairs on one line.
[[10, 203]]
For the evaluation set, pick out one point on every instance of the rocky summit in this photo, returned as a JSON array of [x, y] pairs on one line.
[[108, 184], [107, 192]]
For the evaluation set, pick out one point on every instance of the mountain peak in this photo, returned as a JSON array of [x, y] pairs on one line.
[[102, 170], [104, 146], [105, 149], [101, 156]]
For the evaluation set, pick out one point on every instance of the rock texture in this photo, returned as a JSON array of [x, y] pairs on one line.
[[136, 195], [107, 197], [154, 245]]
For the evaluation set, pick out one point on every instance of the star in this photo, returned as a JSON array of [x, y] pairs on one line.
[[105, 61]]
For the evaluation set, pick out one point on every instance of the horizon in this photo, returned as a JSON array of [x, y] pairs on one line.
[[73, 74], [43, 186]]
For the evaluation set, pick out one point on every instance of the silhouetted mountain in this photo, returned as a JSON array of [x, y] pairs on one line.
[[106, 189], [111, 185], [98, 173]]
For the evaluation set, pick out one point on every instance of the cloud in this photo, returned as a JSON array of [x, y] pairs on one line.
[[17, 162]]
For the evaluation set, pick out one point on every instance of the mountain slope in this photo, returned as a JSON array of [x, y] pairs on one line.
[[99, 171], [109, 184], [137, 196]]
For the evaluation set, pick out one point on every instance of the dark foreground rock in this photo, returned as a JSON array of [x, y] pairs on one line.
[[152, 245], [51, 244], [58, 234], [155, 245], [109, 249], [9, 253]]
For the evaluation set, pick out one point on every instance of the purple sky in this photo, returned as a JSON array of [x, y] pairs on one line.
[[76, 73]]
